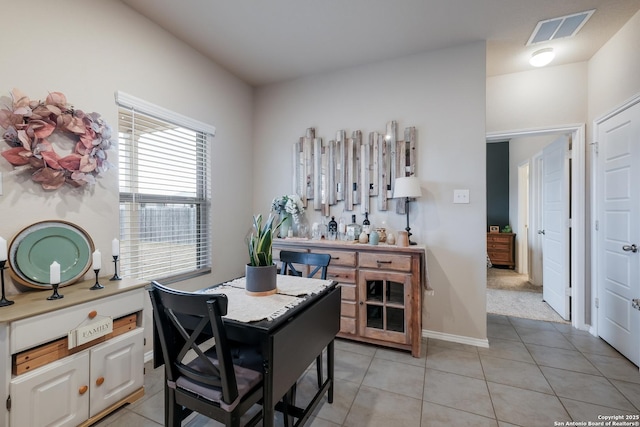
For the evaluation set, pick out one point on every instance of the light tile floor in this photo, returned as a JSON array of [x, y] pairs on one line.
[[534, 373]]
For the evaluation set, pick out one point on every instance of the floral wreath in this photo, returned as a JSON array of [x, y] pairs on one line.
[[29, 123]]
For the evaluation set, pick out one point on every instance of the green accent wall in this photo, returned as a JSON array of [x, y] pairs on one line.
[[498, 184]]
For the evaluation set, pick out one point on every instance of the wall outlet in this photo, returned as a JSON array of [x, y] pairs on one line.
[[460, 196]]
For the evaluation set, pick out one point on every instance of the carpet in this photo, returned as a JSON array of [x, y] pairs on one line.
[[501, 278], [523, 304], [511, 294]]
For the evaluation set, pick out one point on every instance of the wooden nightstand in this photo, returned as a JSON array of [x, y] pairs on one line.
[[501, 249]]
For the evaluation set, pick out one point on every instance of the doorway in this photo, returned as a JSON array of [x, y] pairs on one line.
[[576, 261]]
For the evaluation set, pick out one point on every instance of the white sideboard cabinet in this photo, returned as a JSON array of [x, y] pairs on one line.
[[46, 383]]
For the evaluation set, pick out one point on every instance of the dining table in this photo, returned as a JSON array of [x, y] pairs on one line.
[[289, 329]]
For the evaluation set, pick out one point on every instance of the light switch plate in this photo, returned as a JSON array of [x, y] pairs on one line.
[[460, 196]]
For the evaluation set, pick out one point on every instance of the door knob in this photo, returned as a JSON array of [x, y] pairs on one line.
[[635, 303], [630, 248], [540, 231]]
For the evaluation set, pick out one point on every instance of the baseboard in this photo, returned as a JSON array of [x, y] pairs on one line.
[[456, 338]]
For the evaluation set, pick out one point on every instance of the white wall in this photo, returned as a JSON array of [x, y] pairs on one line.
[[442, 94], [541, 98], [89, 50], [614, 72]]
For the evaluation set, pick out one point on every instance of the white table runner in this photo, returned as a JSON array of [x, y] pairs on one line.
[[248, 308]]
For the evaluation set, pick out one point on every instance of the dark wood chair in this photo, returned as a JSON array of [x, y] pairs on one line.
[[200, 374], [316, 263]]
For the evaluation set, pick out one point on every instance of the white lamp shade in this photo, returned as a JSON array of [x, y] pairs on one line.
[[408, 186]]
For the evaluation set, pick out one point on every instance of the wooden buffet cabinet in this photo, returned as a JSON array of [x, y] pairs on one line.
[[46, 383], [501, 249], [381, 289]]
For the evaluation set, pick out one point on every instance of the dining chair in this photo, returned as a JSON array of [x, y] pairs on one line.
[[316, 263], [200, 375]]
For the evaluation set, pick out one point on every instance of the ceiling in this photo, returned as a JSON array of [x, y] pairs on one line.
[[268, 41]]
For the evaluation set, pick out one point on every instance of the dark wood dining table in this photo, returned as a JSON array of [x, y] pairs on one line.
[[289, 344]]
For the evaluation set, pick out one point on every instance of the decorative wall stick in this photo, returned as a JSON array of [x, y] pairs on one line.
[[357, 143], [298, 173], [375, 174], [341, 154], [365, 177], [331, 171], [349, 175], [383, 173], [317, 172], [410, 137], [307, 149], [391, 137]]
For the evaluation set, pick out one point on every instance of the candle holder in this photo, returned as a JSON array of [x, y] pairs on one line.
[[115, 266], [96, 285], [55, 294], [4, 301]]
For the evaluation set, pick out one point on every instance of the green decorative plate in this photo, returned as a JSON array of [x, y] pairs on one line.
[[36, 247]]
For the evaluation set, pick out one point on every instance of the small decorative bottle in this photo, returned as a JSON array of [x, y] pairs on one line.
[[342, 229], [333, 229], [366, 225], [354, 229]]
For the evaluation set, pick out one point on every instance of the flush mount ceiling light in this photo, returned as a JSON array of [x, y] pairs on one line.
[[542, 57]]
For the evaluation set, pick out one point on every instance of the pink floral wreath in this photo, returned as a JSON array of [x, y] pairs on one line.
[[27, 126]]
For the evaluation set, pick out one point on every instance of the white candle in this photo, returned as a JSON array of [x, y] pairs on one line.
[[54, 273], [115, 247], [97, 260], [3, 249]]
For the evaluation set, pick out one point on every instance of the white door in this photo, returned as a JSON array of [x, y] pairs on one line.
[[535, 207], [555, 219], [618, 200]]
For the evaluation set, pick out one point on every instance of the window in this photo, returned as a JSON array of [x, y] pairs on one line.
[[164, 192]]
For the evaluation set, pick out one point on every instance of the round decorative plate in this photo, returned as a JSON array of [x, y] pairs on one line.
[[33, 249]]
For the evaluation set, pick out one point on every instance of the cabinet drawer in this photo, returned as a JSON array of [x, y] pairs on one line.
[[497, 247], [341, 274], [499, 256], [46, 327], [348, 309], [342, 258], [347, 325], [498, 238], [348, 292], [385, 261]]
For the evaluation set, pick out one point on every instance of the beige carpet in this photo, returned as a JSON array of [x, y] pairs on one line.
[[511, 294]]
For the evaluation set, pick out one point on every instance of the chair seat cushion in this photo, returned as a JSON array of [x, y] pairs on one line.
[[246, 380]]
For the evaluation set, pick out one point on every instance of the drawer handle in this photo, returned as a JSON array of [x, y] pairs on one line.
[[336, 257], [100, 381], [82, 390], [384, 262], [93, 314]]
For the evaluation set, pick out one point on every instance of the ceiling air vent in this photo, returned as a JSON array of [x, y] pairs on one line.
[[558, 28]]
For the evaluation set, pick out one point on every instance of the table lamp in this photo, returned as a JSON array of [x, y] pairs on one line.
[[407, 187]]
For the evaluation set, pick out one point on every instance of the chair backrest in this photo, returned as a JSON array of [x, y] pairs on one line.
[[184, 321], [317, 262]]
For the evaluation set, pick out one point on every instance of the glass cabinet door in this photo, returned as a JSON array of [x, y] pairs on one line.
[[384, 305]]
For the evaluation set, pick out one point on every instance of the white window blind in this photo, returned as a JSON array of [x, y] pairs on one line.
[[164, 193]]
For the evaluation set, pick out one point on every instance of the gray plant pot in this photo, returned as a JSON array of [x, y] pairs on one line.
[[261, 280]]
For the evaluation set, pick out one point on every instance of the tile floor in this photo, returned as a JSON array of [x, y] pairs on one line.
[[535, 373]]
